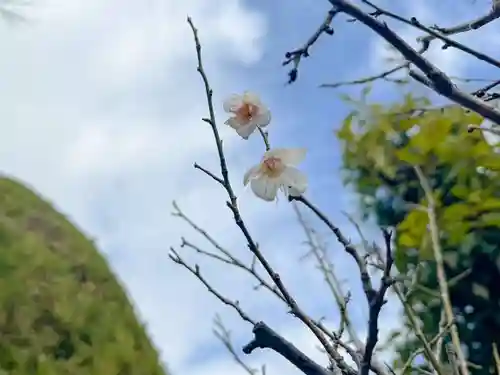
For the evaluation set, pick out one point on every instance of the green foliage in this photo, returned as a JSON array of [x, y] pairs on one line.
[[63, 312], [381, 146]]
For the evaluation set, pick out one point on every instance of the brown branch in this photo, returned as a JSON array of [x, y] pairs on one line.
[[252, 246], [295, 57], [410, 313], [435, 341], [454, 94], [265, 337], [228, 258], [375, 299], [346, 244], [433, 77], [425, 42], [441, 275], [176, 258], [437, 34], [320, 253], [375, 306], [224, 335], [365, 80], [496, 358]]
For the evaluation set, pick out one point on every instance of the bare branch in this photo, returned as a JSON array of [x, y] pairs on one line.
[[432, 76], [351, 250], [326, 268], [224, 335], [228, 258], [376, 304], [496, 358], [295, 57], [175, 257], [265, 337], [233, 206], [412, 317], [441, 275], [365, 80], [375, 298], [436, 340], [436, 34]]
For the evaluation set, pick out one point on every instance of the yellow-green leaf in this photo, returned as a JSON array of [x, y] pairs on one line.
[[412, 158]]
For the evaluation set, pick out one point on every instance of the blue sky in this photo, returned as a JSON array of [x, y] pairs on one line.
[[100, 113]]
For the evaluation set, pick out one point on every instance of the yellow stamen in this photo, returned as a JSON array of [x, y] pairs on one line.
[[246, 112], [272, 167]]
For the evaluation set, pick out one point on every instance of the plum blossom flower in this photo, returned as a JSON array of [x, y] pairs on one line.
[[277, 171], [248, 113]]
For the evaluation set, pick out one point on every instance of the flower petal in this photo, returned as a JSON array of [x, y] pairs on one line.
[[233, 122], [263, 118], [244, 131], [265, 188], [289, 156], [251, 98], [294, 192], [251, 174], [232, 103], [294, 180]]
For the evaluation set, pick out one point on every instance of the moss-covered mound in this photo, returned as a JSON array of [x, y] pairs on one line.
[[61, 309]]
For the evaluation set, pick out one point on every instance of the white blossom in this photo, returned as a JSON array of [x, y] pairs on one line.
[[248, 112], [277, 171]]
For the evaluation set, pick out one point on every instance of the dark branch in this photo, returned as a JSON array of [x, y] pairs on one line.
[[436, 79], [425, 42], [252, 245], [176, 258], [296, 56], [376, 306], [436, 34], [376, 299], [265, 337], [348, 247]]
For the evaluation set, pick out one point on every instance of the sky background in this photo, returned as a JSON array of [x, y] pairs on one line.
[[101, 106]]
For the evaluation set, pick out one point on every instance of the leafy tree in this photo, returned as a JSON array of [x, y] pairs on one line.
[[63, 311], [382, 146]]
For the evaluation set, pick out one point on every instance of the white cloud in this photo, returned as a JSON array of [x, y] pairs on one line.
[[101, 108]]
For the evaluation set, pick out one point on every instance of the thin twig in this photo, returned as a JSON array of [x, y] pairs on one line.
[[436, 340], [432, 76], [441, 275], [175, 257], [224, 335], [295, 57], [374, 298], [425, 42], [326, 268], [436, 34], [496, 358], [233, 206], [228, 258], [376, 305], [346, 244]]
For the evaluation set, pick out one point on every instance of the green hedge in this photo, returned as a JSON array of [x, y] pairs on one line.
[[62, 310]]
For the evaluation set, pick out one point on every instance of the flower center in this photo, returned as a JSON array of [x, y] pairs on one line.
[[272, 167], [246, 112]]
